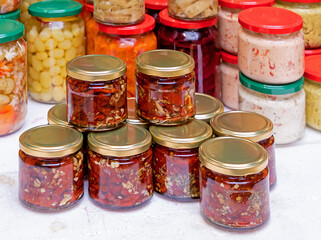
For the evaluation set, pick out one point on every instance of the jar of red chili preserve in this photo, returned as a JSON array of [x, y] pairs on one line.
[[132, 116], [165, 87], [153, 8], [51, 174], [207, 107], [96, 92], [120, 168], [234, 183], [175, 159]]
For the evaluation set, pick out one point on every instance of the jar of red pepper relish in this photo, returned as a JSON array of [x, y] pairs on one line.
[[51, 174], [96, 92], [165, 87], [207, 107], [234, 183], [199, 39], [132, 116], [153, 8], [120, 167], [175, 159]]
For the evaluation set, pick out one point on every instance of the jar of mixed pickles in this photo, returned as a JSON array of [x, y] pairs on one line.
[[175, 159], [13, 15], [284, 105], [271, 45], [51, 174], [92, 29], [207, 107], [153, 8], [132, 116], [96, 92], [55, 35], [200, 40], [165, 87], [120, 168], [7, 6]]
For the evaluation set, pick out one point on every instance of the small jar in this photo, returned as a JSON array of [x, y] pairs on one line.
[[7, 6], [120, 168], [175, 159], [201, 41], [91, 27], [153, 8], [133, 119], [271, 45], [207, 107], [311, 52], [96, 92], [51, 174], [13, 15], [55, 35], [234, 183], [284, 105], [127, 43], [251, 126], [13, 76], [165, 87]]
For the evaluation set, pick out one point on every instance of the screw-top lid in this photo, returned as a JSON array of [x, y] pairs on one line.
[[58, 114], [156, 4], [313, 68], [132, 116], [311, 52], [90, 7], [207, 107], [244, 4], [229, 57], [10, 30], [12, 15], [302, 1]]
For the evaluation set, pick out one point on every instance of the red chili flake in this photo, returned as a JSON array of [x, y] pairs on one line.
[[271, 65], [269, 146], [272, 74]]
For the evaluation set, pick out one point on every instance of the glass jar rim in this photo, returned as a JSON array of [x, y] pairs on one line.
[[10, 30]]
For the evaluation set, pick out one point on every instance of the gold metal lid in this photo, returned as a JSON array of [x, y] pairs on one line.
[[186, 136], [96, 68], [58, 114], [249, 125], [132, 116], [128, 140], [164, 63], [50, 141], [207, 107], [233, 156]]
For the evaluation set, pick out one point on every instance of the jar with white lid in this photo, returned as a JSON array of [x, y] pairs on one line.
[[207, 107]]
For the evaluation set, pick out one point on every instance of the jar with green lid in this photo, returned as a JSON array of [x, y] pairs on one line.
[[132, 116], [175, 159], [207, 107], [51, 174], [15, 15]]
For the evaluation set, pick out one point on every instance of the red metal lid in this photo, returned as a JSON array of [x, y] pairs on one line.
[[311, 52], [244, 4], [156, 4], [270, 20], [302, 1], [90, 7], [147, 25], [313, 68], [229, 57], [175, 23]]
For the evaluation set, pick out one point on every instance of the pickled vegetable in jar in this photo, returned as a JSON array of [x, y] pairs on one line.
[[207, 107], [7, 6], [91, 29], [311, 52], [51, 167], [165, 87], [175, 159], [24, 5], [13, 15], [55, 35], [153, 8], [132, 116]]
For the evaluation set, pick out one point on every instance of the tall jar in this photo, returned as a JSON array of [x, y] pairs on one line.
[[132, 116], [207, 107], [153, 8], [13, 76], [51, 167], [271, 45], [234, 183], [55, 35], [92, 29], [7, 6], [175, 159], [200, 40], [165, 87], [127, 43], [284, 105], [12, 15]]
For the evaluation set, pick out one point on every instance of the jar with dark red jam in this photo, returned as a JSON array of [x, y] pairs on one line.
[[201, 41], [51, 174], [175, 159], [165, 87], [207, 107], [251, 126], [120, 168], [234, 183], [96, 92], [153, 8]]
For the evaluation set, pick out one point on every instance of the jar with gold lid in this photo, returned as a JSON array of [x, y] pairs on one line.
[[175, 159], [132, 116], [51, 167], [165, 87], [207, 107], [120, 167], [234, 183]]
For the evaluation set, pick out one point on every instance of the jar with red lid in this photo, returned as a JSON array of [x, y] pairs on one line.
[[127, 43], [91, 27], [311, 52], [200, 40], [271, 45], [153, 8]]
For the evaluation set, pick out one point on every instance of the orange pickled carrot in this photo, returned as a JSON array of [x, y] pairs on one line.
[[7, 116]]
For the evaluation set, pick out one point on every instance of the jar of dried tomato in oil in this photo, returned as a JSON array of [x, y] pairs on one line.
[[175, 159], [132, 116], [96, 92], [234, 183], [207, 107], [51, 174], [165, 87], [120, 167]]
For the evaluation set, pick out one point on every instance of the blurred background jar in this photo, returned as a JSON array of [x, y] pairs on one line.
[[91, 27], [15, 15], [153, 8], [7, 6]]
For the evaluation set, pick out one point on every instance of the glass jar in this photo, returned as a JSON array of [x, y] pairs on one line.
[[153, 8], [13, 76], [251, 126], [13, 15], [91, 28], [24, 5], [165, 87], [234, 183], [51, 168], [55, 35], [132, 116], [284, 105], [96, 92], [175, 159], [311, 52], [207, 107], [120, 168], [7, 6], [201, 41], [127, 43], [271, 45]]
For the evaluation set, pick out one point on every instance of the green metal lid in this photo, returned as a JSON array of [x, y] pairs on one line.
[[55, 9], [13, 15], [270, 88], [10, 30]]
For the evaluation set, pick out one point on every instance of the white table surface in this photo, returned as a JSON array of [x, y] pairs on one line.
[[295, 203]]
